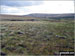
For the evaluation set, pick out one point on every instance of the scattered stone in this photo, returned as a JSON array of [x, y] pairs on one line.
[[56, 53], [45, 36], [62, 37], [30, 40], [57, 36], [71, 47], [13, 39], [11, 48], [2, 34], [2, 28], [24, 46], [65, 46], [20, 32], [32, 34], [28, 49], [20, 51], [2, 45], [2, 54], [51, 33], [48, 39], [11, 34]]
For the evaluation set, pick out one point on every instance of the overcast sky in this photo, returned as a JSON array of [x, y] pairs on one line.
[[28, 7]]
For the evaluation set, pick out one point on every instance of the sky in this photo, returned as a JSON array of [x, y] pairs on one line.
[[19, 7]]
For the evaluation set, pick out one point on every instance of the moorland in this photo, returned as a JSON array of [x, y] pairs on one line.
[[36, 35]]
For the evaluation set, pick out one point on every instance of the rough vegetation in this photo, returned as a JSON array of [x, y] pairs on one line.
[[36, 38]]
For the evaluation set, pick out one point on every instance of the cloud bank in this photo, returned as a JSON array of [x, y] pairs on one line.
[[27, 7]]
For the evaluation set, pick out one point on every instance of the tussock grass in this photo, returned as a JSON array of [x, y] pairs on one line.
[[36, 37]]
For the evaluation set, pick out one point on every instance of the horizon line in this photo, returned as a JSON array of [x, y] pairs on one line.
[[38, 13]]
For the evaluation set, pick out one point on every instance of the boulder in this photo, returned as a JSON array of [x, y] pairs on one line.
[[2, 54], [62, 37], [19, 32]]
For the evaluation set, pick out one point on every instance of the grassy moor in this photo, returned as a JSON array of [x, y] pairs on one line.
[[31, 35]]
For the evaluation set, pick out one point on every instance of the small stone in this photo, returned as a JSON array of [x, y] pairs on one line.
[[11, 34], [22, 45], [51, 33], [2, 45], [57, 36], [10, 48]]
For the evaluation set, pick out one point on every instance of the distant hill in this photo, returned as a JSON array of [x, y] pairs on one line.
[[35, 17], [16, 18], [70, 15]]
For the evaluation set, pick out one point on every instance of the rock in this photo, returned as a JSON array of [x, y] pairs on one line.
[[2, 28], [32, 34], [2, 45], [57, 36], [56, 53], [62, 37], [2, 54], [48, 39], [30, 40], [65, 46], [11, 34], [10, 48], [13, 39], [27, 49], [71, 47], [2, 34], [20, 51], [20, 32], [47, 36], [51, 33], [24, 46]]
